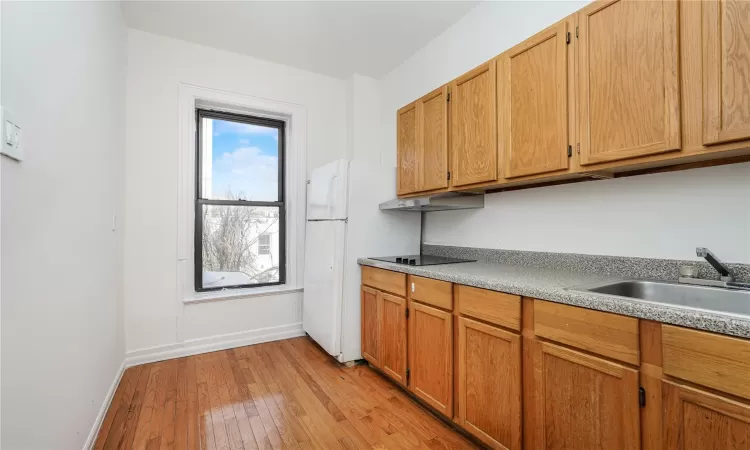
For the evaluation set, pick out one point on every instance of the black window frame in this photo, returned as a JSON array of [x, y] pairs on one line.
[[280, 125]]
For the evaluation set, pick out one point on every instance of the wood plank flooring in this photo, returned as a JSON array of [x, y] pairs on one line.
[[284, 394]]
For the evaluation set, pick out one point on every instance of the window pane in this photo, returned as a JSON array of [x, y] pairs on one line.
[[233, 253], [240, 161]]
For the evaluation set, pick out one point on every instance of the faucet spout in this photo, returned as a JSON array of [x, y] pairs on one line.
[[715, 262]]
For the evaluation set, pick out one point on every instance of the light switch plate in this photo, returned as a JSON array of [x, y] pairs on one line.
[[12, 142]]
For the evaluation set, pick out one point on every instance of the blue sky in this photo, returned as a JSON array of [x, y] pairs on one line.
[[245, 159]]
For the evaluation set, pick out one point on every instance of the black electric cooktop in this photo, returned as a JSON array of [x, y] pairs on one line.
[[421, 260]]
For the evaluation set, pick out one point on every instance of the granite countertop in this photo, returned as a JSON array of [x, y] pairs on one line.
[[551, 284]]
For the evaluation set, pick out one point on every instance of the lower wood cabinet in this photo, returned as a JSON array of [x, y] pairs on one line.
[[431, 356], [393, 336], [489, 385], [695, 419], [698, 417], [370, 306], [589, 379], [708, 359], [384, 332], [582, 401]]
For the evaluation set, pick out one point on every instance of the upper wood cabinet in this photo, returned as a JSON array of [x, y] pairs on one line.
[[422, 149], [371, 317], [473, 131], [695, 419], [432, 111], [629, 79], [582, 401], [532, 86], [431, 356], [620, 85], [489, 385], [407, 176], [726, 70], [393, 336]]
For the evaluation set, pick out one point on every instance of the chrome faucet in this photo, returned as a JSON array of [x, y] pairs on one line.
[[726, 280], [723, 270]]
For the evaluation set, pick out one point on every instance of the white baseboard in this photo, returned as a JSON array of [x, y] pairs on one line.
[[212, 344], [91, 440]]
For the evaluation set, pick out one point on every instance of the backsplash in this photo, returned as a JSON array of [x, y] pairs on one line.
[[663, 216], [621, 266]]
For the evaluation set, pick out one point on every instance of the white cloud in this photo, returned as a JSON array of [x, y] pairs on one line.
[[247, 171]]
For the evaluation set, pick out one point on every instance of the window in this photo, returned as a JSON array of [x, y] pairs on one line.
[[239, 201], [264, 244]]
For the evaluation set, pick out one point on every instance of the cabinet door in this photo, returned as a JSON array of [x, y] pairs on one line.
[[726, 70], [628, 70], [583, 401], [406, 149], [474, 126], [694, 419], [371, 318], [489, 385], [433, 148], [393, 336], [431, 356], [532, 85]]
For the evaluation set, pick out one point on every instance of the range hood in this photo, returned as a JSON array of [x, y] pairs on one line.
[[439, 202]]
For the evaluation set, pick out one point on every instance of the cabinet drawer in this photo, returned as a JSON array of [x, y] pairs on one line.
[[713, 360], [433, 292], [496, 307], [385, 280], [606, 334]]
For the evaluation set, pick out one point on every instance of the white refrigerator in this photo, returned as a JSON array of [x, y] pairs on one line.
[[344, 223]]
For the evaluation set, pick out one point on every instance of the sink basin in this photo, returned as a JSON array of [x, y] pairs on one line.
[[723, 300]]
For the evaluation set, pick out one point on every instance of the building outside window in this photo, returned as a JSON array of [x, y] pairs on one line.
[[239, 205], [264, 244]]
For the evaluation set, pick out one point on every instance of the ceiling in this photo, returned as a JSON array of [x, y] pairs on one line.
[[336, 38]]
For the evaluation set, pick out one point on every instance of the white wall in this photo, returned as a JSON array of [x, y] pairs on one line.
[[364, 114], [156, 318], [662, 215], [63, 75], [657, 216]]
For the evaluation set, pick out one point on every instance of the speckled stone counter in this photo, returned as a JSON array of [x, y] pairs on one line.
[[619, 266], [550, 284]]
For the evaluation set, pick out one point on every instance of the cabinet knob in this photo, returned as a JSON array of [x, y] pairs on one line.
[[412, 288]]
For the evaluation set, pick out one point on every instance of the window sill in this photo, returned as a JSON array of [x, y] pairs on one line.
[[231, 294]]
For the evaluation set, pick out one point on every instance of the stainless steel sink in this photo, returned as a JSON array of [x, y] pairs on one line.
[[723, 300]]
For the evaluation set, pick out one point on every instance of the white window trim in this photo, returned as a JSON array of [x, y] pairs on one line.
[[295, 116]]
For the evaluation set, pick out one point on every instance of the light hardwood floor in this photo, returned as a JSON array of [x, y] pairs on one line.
[[284, 394]]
